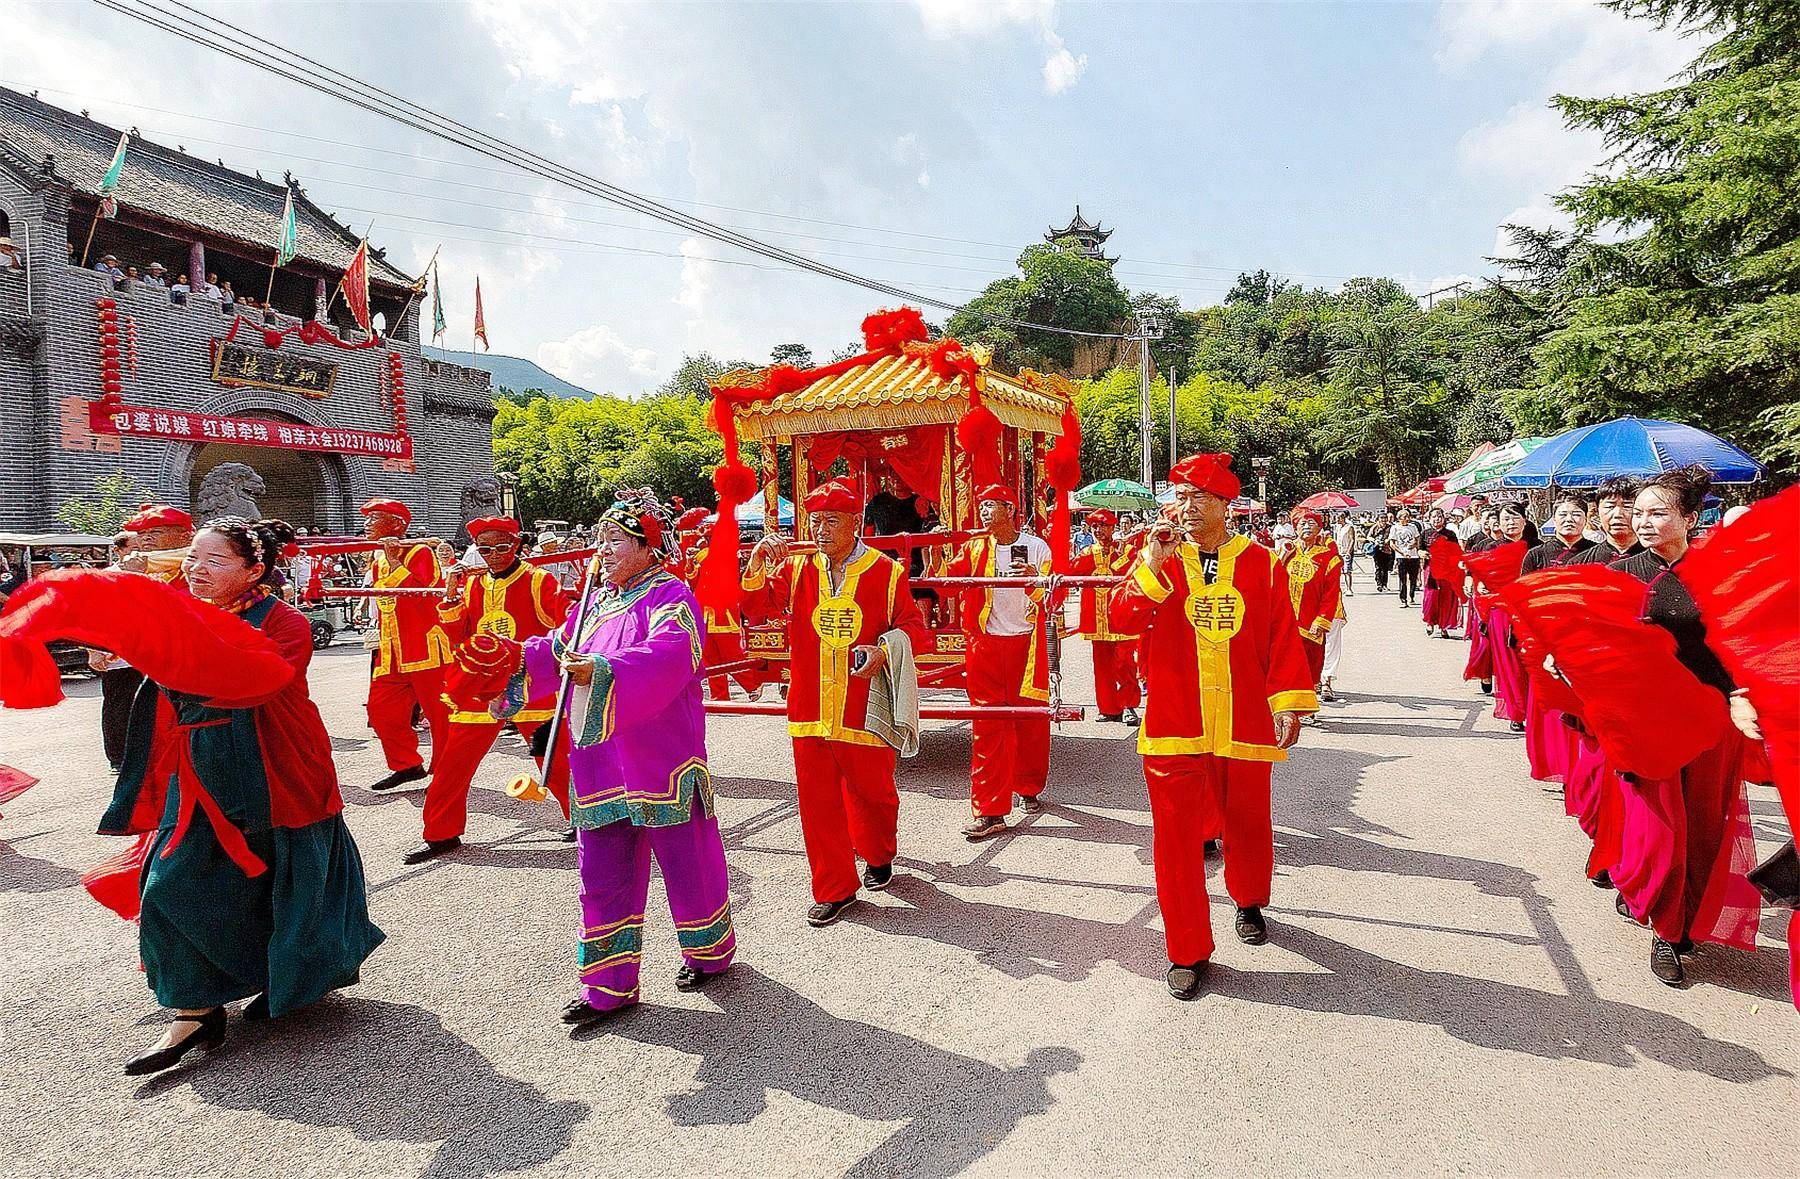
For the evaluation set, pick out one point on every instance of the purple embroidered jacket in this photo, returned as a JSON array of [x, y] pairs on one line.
[[638, 732]]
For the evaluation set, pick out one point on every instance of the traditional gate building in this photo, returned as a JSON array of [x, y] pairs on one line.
[[212, 403]]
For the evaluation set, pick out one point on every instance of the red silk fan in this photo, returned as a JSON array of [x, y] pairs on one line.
[[1552, 691], [1589, 618], [1446, 561], [482, 666], [1498, 567], [1744, 579]]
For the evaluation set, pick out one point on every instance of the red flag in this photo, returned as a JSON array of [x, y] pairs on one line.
[[480, 319], [355, 285]]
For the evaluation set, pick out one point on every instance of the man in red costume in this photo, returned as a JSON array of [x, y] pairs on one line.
[[1116, 691], [1315, 586], [510, 600], [1007, 663], [407, 663], [1228, 685], [846, 604]]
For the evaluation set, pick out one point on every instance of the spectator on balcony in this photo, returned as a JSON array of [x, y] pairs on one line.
[[212, 288], [109, 266], [9, 257], [157, 277], [226, 294], [182, 288]]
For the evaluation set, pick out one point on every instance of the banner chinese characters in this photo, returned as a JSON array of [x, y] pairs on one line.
[[116, 418]]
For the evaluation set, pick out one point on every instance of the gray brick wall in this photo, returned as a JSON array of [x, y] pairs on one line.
[[42, 389]]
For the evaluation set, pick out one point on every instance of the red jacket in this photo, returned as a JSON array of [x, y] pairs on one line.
[[1097, 621], [1316, 589], [824, 699], [523, 604], [1222, 659], [411, 639], [975, 558]]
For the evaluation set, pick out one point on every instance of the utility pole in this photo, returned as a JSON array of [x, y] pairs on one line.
[[1174, 442], [1149, 327]]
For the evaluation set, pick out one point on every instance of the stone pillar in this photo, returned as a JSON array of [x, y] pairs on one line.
[[197, 268]]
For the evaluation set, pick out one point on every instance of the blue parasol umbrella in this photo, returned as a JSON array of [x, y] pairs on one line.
[[1629, 446]]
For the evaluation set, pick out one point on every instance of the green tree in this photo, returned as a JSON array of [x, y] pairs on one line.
[[798, 355], [1056, 285], [1265, 330], [115, 497], [1383, 400], [695, 375], [1694, 312]]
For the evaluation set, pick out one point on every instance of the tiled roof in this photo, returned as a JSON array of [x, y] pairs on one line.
[[175, 186], [898, 391]]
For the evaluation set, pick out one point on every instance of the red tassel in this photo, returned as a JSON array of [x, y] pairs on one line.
[[735, 482], [1062, 467]]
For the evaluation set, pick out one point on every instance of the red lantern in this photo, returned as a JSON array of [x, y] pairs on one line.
[[103, 304], [271, 338], [109, 351], [109, 368], [112, 388]]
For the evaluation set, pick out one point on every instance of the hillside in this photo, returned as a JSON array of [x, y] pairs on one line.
[[515, 373]]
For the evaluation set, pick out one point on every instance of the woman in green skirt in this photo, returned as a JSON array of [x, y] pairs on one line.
[[252, 887]]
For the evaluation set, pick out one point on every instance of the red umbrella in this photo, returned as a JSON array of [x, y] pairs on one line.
[[1450, 503], [1328, 501]]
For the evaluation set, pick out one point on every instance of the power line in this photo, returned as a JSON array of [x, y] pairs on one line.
[[277, 59], [1011, 248]]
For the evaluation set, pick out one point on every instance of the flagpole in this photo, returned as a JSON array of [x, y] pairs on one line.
[[332, 302], [92, 226], [417, 290]]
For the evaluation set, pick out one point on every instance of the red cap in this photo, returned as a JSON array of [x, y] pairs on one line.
[[1102, 516], [158, 516], [1299, 514], [691, 519], [504, 524], [392, 507], [835, 496], [1208, 472], [998, 492]]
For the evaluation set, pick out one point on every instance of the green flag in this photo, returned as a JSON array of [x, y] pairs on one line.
[[289, 245], [437, 304], [109, 205]]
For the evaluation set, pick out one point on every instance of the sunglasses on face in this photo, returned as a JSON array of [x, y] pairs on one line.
[[489, 549]]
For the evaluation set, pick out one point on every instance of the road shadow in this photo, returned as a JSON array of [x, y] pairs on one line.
[[385, 1072], [763, 1036], [31, 874]]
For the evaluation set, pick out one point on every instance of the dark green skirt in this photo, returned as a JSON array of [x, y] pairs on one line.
[[210, 935]]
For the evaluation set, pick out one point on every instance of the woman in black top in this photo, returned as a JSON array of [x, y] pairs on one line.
[[1687, 840], [1550, 745]]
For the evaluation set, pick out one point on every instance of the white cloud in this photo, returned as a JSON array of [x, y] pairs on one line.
[[597, 358], [967, 19]]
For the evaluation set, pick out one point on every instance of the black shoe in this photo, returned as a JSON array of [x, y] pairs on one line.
[[984, 827], [1603, 879], [208, 1033], [1487, 687], [568, 835], [1109, 717], [1251, 929], [1131, 717], [401, 778], [1665, 963], [1516, 726], [877, 877], [1624, 910], [257, 1009], [690, 978], [431, 849], [1031, 804], [579, 1013], [827, 912], [1184, 981]]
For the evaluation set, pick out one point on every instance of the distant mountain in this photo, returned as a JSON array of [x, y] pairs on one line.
[[512, 372]]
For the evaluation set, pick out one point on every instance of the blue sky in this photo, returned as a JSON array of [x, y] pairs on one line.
[[919, 141]]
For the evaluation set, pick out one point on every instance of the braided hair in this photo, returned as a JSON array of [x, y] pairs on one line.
[[258, 542]]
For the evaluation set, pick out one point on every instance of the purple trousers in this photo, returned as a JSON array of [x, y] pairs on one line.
[[615, 883]]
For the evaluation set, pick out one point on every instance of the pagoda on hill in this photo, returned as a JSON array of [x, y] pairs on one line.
[[1088, 238]]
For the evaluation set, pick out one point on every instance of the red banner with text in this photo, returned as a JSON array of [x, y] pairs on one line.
[[112, 417]]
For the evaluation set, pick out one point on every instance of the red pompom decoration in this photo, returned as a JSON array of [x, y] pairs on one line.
[[271, 338], [886, 331], [734, 481]]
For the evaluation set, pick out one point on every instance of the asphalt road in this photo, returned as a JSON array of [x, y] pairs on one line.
[[1442, 991]]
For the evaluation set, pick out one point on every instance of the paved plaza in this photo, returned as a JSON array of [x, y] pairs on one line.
[[1442, 990]]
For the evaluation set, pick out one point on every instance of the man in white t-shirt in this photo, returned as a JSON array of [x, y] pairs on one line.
[[1007, 663], [1403, 541]]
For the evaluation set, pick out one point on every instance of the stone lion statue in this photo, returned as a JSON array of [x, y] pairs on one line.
[[480, 497], [229, 489]]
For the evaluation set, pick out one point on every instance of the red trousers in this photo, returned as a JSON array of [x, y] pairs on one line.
[[727, 646], [1012, 754], [453, 769], [1115, 675], [849, 807], [1193, 798], [390, 708]]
